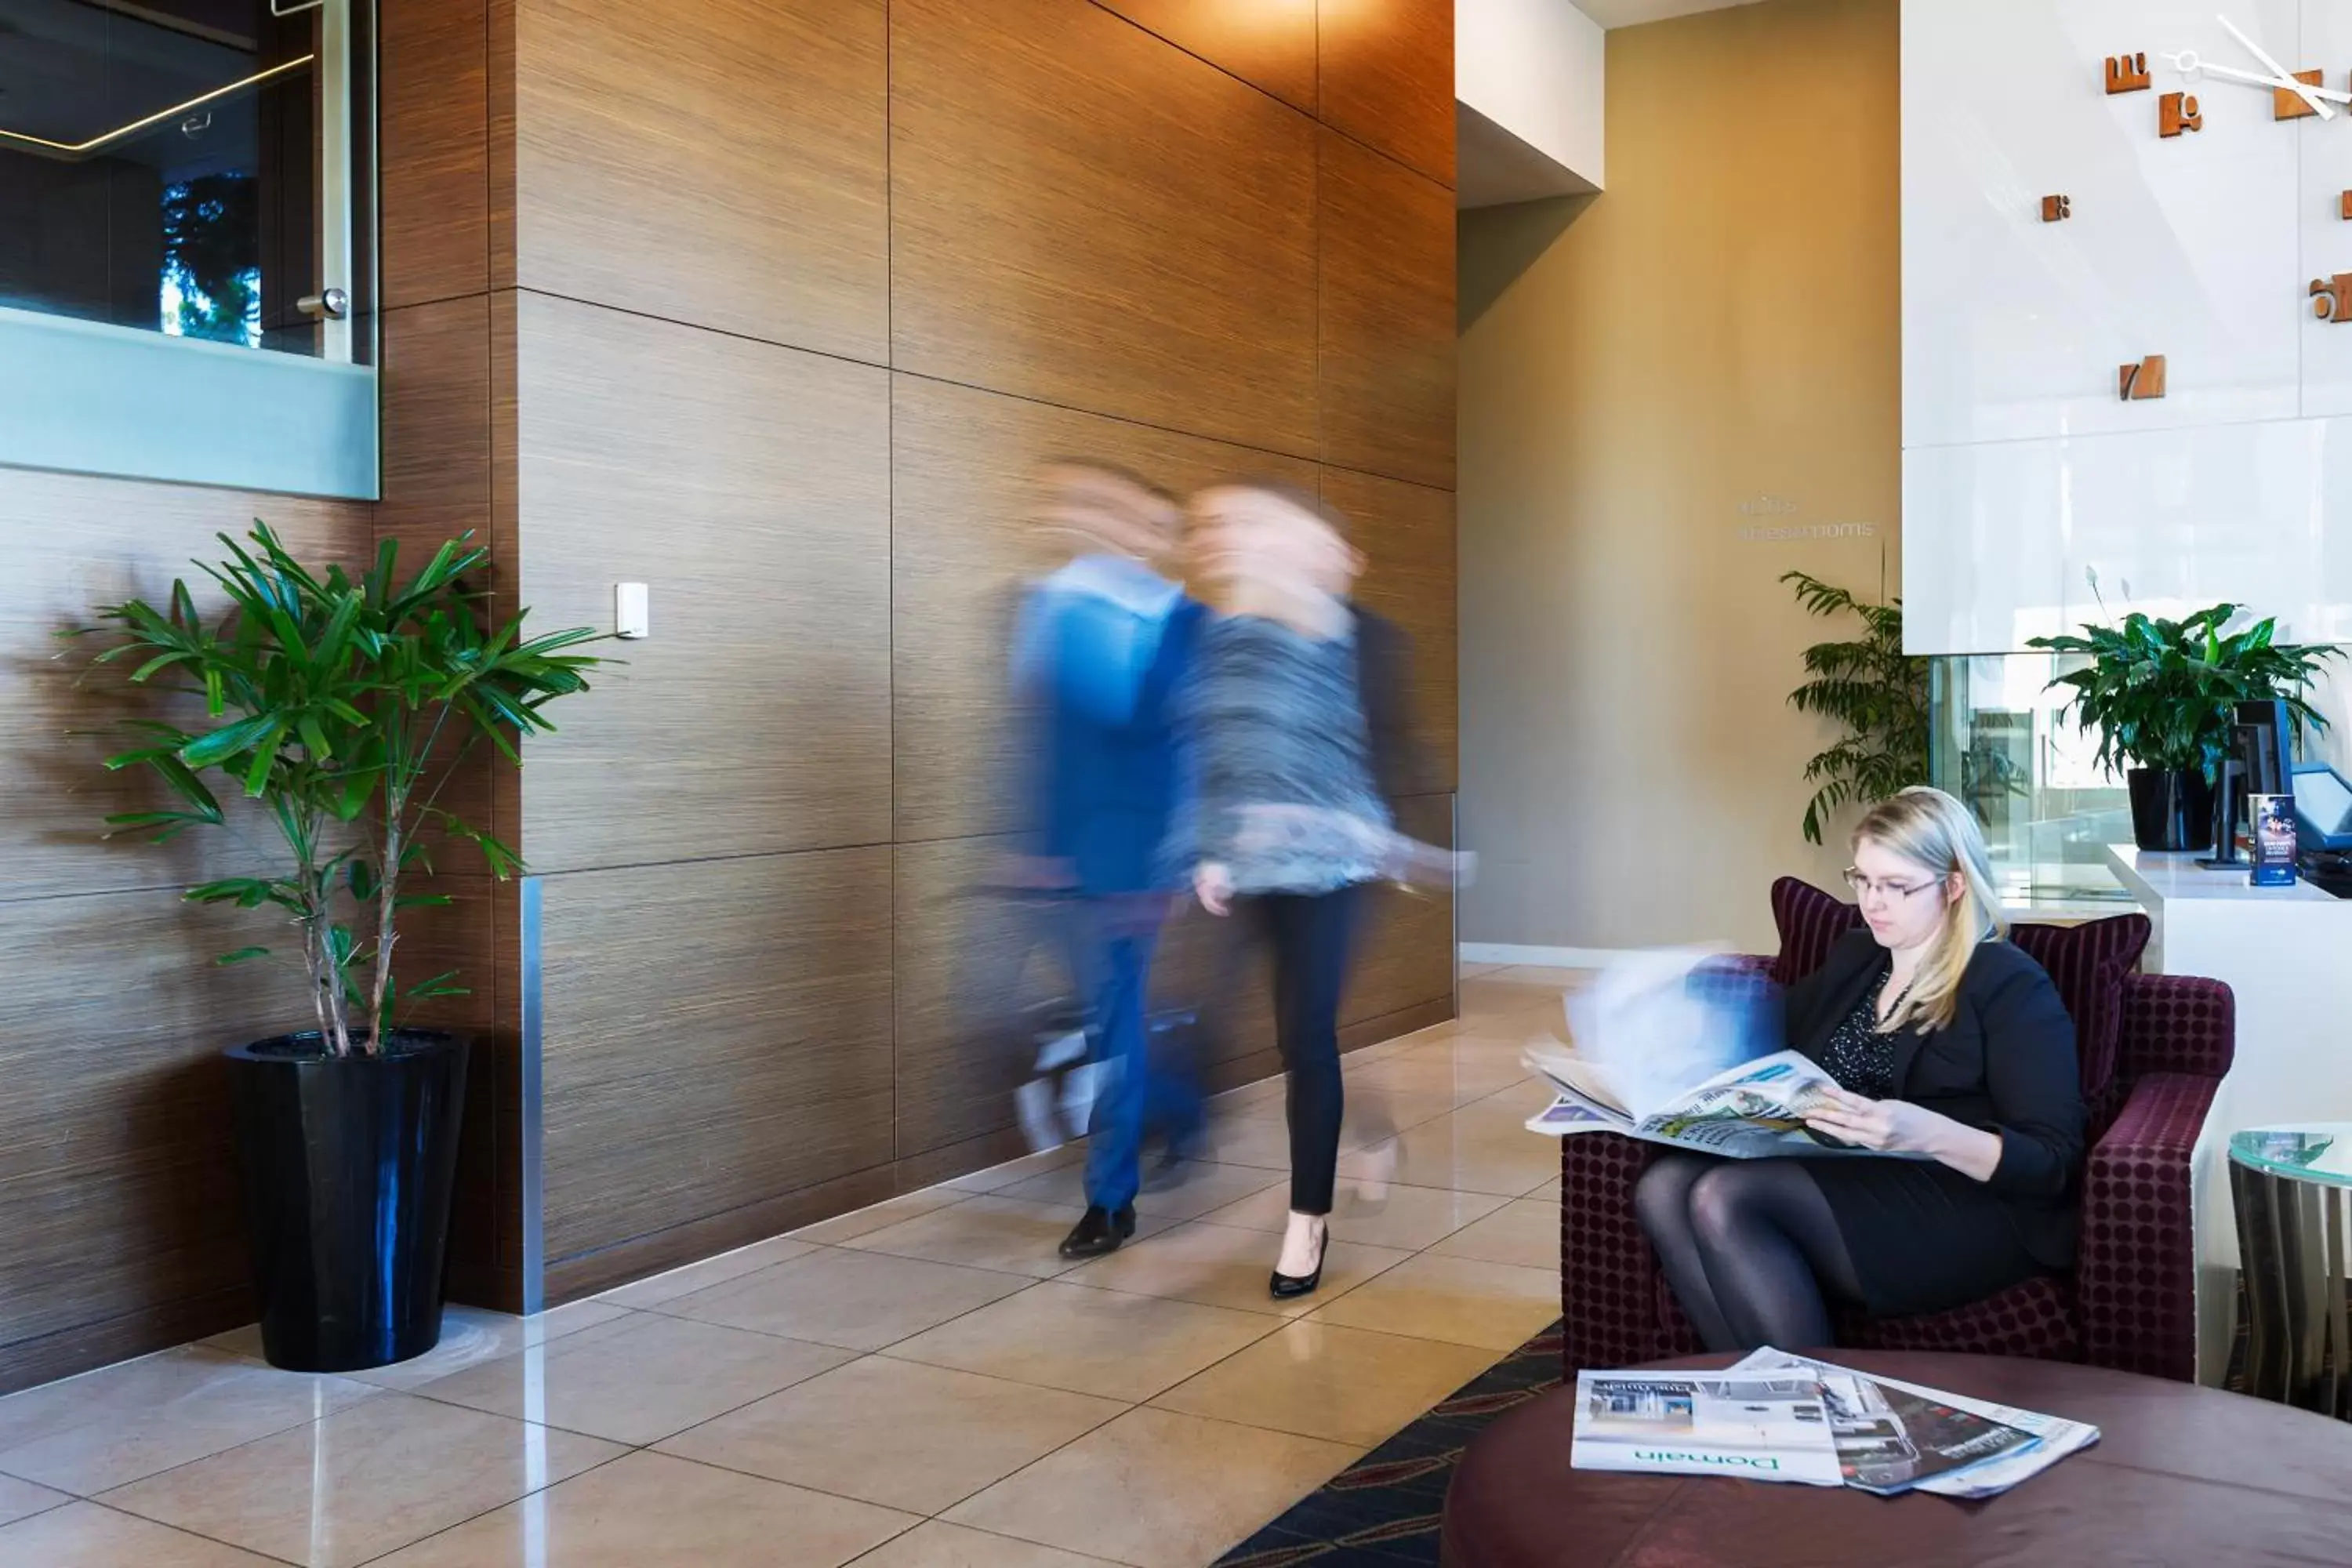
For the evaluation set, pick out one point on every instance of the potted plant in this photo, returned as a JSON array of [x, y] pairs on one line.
[[2163, 694], [341, 705], [1875, 690]]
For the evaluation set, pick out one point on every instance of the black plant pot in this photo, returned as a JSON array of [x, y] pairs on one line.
[[348, 1167], [2172, 809]]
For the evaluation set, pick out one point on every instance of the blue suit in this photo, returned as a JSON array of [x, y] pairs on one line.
[[1108, 772]]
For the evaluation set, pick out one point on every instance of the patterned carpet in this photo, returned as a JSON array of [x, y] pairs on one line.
[[1383, 1511]]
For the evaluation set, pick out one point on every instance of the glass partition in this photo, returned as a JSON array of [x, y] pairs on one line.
[[2049, 810], [179, 178]]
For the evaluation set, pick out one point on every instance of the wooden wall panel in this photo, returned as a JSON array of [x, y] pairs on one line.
[[68, 544], [121, 1211], [1387, 78], [1269, 44], [968, 967], [963, 544], [1406, 532], [715, 1034], [749, 486], [721, 163], [1404, 944], [433, 152], [1386, 331], [1083, 215]]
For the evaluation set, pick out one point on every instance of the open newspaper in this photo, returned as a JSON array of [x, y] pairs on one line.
[[1781, 1418], [1684, 1047], [1754, 1110], [1894, 1437]]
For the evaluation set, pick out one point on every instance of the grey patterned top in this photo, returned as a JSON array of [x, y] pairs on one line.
[[1277, 721]]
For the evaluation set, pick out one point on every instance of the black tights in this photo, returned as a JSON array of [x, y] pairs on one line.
[[1750, 1247]]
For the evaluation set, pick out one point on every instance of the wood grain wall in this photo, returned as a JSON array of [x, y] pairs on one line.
[[805, 291], [773, 305]]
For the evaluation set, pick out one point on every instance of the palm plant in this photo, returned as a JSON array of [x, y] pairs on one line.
[[345, 705], [2163, 694], [1875, 690]]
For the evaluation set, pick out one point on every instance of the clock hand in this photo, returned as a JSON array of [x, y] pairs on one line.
[[2284, 82], [2188, 64]]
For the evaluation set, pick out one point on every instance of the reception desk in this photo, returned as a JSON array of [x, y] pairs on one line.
[[2287, 954]]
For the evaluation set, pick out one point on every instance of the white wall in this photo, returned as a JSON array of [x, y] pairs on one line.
[[2025, 473], [1535, 68]]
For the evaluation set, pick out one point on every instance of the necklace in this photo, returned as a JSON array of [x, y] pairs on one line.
[[1877, 1017]]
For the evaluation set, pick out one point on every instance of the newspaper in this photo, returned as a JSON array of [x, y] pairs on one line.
[[1895, 1437], [1683, 1046], [1756, 1426], [1748, 1112]]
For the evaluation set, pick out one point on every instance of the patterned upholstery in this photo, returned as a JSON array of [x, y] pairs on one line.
[[2131, 1303]]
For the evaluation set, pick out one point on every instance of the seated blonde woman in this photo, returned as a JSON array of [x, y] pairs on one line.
[[1945, 1042]]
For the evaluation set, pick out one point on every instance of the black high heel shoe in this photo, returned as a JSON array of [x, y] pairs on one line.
[[1288, 1285]]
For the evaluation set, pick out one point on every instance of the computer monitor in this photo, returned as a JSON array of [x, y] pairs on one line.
[[2322, 808], [2265, 750]]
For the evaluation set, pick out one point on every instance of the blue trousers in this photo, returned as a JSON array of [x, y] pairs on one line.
[[1113, 958]]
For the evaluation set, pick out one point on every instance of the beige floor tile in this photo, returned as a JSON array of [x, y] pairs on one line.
[[84, 1535], [1429, 1087], [1219, 1266], [384, 1473], [1519, 1101], [1466, 1151], [895, 1433], [1260, 1137], [469, 1335], [858, 1300], [1011, 1171], [1157, 1489], [937, 1544], [1404, 1217], [648, 1510], [1524, 1231], [993, 1231], [1463, 1300], [1199, 1186], [647, 1379], [1319, 1380], [876, 1217], [106, 1428], [22, 1499], [709, 1271], [1088, 1342]]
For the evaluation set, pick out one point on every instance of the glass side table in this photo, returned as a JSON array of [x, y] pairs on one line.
[[2289, 1186]]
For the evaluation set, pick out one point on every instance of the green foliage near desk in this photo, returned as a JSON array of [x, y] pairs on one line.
[[1870, 687], [344, 706], [2163, 694]]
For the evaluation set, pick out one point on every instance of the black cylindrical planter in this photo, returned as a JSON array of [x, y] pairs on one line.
[[2172, 809], [348, 1166]]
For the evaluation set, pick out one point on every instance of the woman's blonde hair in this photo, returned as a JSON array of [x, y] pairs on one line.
[[1931, 829]]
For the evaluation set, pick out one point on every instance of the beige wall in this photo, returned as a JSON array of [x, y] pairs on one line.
[[1721, 325]]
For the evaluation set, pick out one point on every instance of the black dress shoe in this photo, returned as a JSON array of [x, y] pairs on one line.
[[1286, 1286], [1098, 1231]]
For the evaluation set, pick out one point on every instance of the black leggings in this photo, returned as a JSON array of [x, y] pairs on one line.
[[1307, 937], [1750, 1247]]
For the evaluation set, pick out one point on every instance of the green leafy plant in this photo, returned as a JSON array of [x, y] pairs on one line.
[[2162, 694], [1871, 687], [343, 705]]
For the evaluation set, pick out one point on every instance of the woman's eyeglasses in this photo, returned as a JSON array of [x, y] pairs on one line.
[[1895, 892]]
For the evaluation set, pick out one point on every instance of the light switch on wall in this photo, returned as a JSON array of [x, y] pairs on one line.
[[631, 612]]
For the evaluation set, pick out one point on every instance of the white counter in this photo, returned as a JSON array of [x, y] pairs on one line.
[[2287, 954]]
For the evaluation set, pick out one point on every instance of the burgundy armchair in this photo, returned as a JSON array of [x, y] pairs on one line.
[[2131, 1302]]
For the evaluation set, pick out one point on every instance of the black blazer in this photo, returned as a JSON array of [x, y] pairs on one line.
[[2005, 1064]]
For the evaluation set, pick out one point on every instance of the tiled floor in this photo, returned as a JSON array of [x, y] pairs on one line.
[[921, 1384]]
